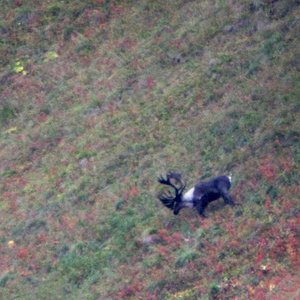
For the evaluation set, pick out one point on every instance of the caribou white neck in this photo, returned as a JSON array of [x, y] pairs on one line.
[[188, 198], [189, 195]]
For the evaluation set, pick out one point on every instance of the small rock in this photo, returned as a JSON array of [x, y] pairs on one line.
[[11, 244], [177, 59], [151, 239], [228, 28], [213, 62], [84, 163], [253, 7], [92, 112], [216, 76]]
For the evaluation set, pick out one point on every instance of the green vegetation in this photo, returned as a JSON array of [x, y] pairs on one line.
[[98, 98]]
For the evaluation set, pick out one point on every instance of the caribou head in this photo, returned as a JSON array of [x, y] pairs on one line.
[[173, 201]]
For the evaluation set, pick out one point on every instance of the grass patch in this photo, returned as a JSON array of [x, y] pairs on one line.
[[80, 264], [103, 96], [7, 113], [185, 256]]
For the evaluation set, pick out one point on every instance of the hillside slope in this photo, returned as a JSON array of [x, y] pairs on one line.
[[99, 97]]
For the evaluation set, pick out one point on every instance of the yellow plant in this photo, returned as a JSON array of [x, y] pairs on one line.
[[50, 55], [183, 295], [19, 67], [11, 130]]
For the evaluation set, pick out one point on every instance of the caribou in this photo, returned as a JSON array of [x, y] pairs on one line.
[[199, 196]]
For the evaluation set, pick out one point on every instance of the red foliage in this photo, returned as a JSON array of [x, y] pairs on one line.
[[287, 205], [259, 257], [150, 82], [111, 108], [205, 223], [22, 182], [88, 32], [129, 291], [298, 219], [157, 39], [136, 64], [268, 172], [219, 268], [151, 297], [79, 91], [292, 248], [168, 240], [39, 100], [12, 200], [164, 251], [268, 203], [176, 237], [109, 85], [90, 13], [14, 205], [173, 240], [116, 9], [163, 233], [109, 63], [193, 227], [23, 253], [8, 195], [176, 43], [267, 169], [68, 222], [262, 242], [42, 238], [286, 164], [42, 117], [229, 227], [260, 294], [279, 248], [127, 44], [131, 193], [276, 280], [21, 137], [192, 266], [18, 2]]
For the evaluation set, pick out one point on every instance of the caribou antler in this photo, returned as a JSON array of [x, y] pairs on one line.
[[167, 198], [177, 177]]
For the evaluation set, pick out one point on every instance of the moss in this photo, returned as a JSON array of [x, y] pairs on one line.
[[84, 47], [274, 44], [185, 256], [6, 278], [7, 113]]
